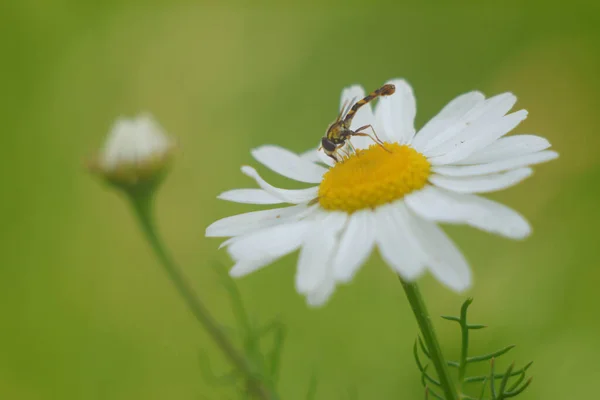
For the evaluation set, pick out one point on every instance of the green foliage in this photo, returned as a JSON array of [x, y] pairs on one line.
[[265, 362], [512, 382]]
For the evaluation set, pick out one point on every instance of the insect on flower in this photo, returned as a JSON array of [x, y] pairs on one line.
[[339, 132], [389, 195]]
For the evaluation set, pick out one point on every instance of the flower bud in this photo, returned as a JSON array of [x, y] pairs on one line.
[[136, 154]]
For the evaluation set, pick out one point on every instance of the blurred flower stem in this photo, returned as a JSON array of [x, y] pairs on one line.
[[417, 304], [142, 203]]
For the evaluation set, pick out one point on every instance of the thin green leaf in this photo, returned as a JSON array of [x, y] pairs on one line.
[[482, 389], [250, 338], [517, 382], [274, 358], [465, 307], [451, 318], [423, 347], [429, 391], [213, 379], [482, 378], [422, 368], [491, 355], [312, 388], [492, 384], [504, 381], [236, 300], [517, 392], [427, 388], [476, 326]]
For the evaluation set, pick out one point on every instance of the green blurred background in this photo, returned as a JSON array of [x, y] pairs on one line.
[[86, 311]]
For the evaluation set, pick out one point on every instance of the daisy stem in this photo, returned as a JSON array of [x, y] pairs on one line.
[[142, 206], [433, 346]]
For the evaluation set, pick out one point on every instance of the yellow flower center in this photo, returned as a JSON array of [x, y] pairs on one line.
[[373, 177]]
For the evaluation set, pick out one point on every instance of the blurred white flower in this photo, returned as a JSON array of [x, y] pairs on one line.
[[388, 198], [136, 151]]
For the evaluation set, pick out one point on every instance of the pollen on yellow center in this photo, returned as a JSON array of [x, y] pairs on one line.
[[373, 177]]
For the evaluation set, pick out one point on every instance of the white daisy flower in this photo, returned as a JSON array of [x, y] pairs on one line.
[[388, 196], [136, 151]]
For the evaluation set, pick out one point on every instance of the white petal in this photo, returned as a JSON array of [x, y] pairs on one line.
[[445, 261], [478, 118], [459, 106], [321, 294], [364, 116], [355, 245], [288, 196], [307, 213], [396, 241], [311, 155], [268, 244], [249, 196], [252, 221], [477, 136], [481, 184], [314, 156], [440, 205], [288, 164], [508, 147], [318, 248], [395, 114], [383, 121], [497, 166], [245, 267], [317, 156], [450, 119]]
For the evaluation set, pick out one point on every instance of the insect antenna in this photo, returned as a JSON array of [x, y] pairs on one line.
[[344, 110]]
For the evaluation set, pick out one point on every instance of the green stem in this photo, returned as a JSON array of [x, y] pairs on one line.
[[142, 206], [464, 328], [435, 352]]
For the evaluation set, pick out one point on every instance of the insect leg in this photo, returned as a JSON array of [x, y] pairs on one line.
[[380, 143], [351, 146], [373, 129], [345, 153]]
